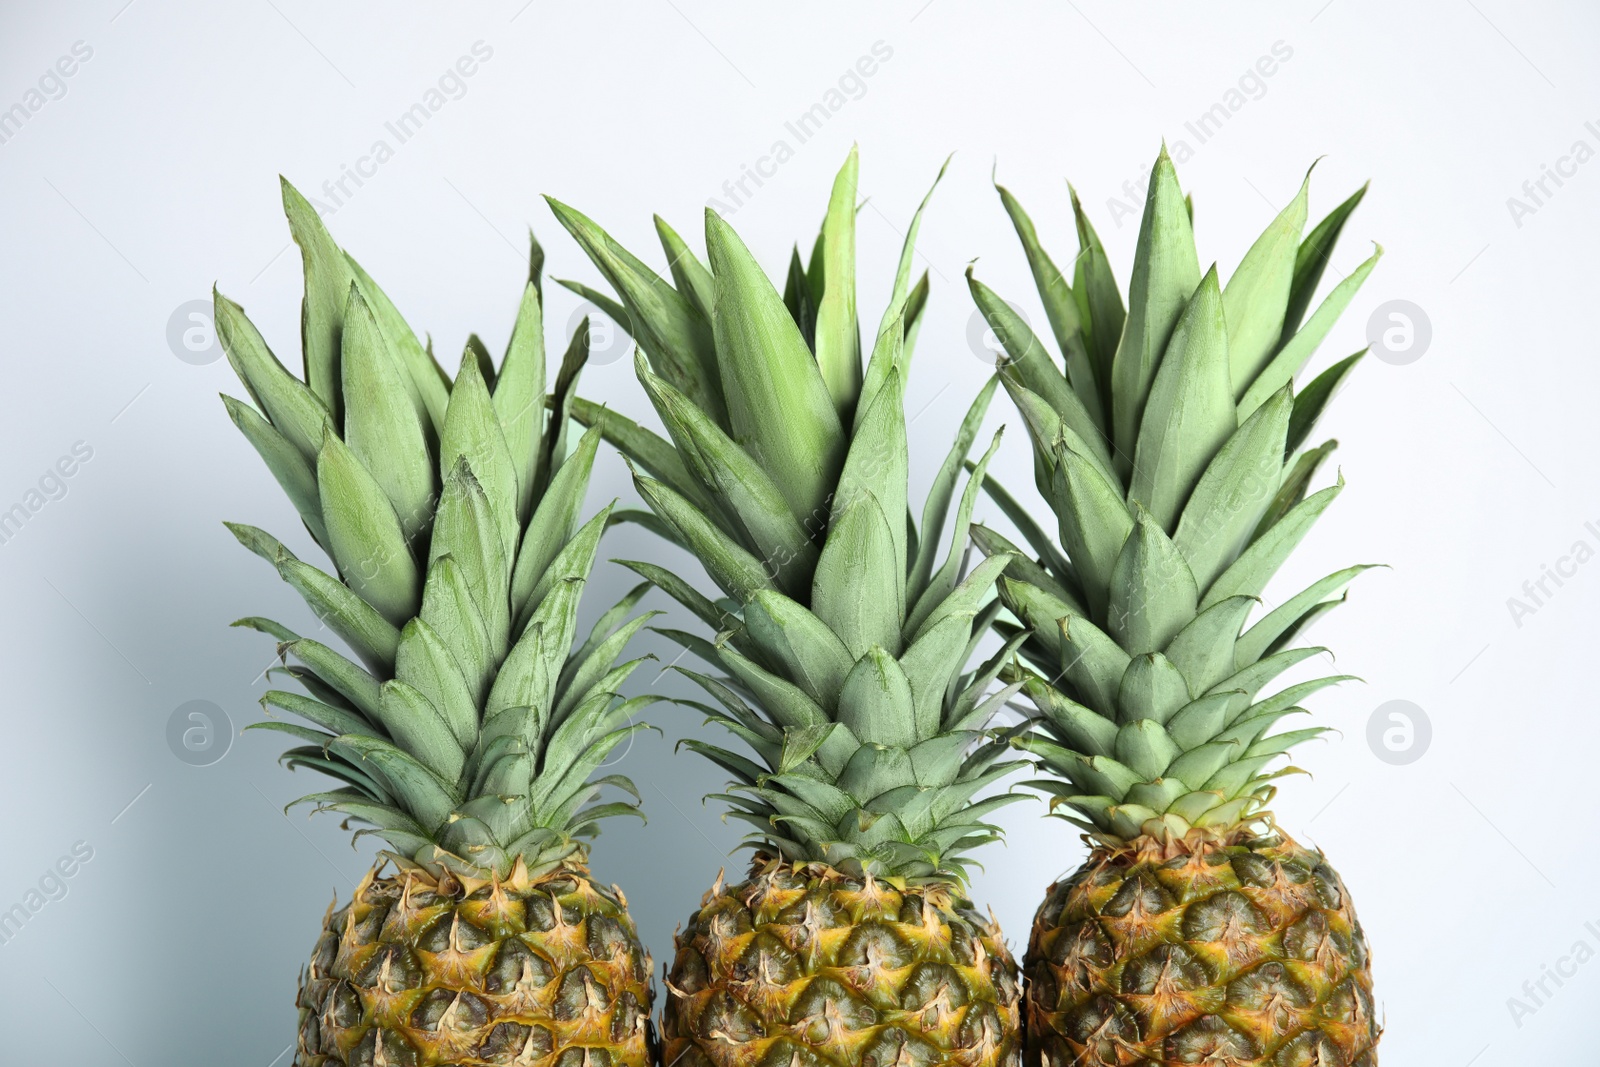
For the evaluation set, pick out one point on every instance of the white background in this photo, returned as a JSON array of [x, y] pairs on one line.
[[155, 174]]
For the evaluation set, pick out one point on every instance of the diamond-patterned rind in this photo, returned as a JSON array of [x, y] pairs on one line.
[[412, 974], [802, 966], [1246, 954]]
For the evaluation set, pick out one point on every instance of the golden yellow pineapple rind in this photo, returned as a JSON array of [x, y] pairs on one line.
[[415, 971], [800, 964], [1247, 953]]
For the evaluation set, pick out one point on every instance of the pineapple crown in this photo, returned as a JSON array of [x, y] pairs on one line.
[[842, 638], [470, 732], [1169, 442]]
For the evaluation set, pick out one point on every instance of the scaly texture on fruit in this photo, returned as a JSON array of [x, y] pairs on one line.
[[471, 725], [418, 970], [1201, 949], [803, 964], [842, 638], [1169, 442]]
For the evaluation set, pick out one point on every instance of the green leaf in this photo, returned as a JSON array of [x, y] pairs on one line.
[[366, 631], [1054, 291], [466, 531], [1260, 638], [1248, 575], [1094, 524], [857, 591], [1166, 271], [451, 610], [428, 383], [798, 644], [674, 586], [1203, 650], [1096, 288], [875, 703], [554, 520], [288, 465], [1251, 678], [936, 506], [1310, 401], [364, 535], [592, 666], [1153, 593], [948, 575], [1022, 519], [1311, 258], [1190, 412], [735, 570], [574, 562], [783, 702], [754, 503], [1029, 361], [424, 663], [1257, 294], [838, 335], [519, 397], [906, 300], [472, 431], [667, 326], [292, 409], [1297, 351], [417, 727], [553, 449], [779, 407], [324, 715], [1144, 748], [642, 446], [797, 298], [1091, 661], [1061, 307], [1086, 730], [611, 622], [1027, 570], [931, 663], [327, 286], [874, 770], [879, 460], [1201, 720], [381, 426], [332, 669], [1152, 688], [965, 597], [427, 797], [689, 275], [1234, 491], [1293, 489]]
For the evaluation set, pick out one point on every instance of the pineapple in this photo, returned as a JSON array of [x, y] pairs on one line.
[[467, 730], [1171, 450], [841, 641]]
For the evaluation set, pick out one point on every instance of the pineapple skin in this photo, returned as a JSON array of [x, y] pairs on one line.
[[415, 972], [804, 965], [1231, 951]]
